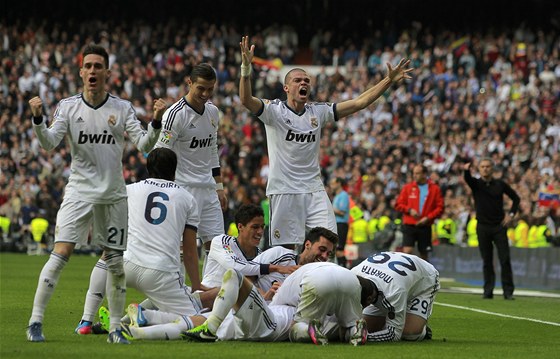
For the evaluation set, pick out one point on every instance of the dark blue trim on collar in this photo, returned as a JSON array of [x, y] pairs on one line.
[[291, 109], [188, 104], [94, 107]]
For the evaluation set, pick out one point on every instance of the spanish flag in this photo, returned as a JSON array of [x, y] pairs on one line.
[[275, 64]]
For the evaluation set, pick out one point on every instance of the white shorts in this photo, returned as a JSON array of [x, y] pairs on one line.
[[256, 321], [110, 223], [337, 294], [420, 305], [167, 290], [292, 214], [210, 212]]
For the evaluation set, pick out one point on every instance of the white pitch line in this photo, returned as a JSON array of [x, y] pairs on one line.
[[497, 314]]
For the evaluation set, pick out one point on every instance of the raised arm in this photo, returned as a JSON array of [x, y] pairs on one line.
[[252, 103], [367, 97], [467, 175], [48, 138], [143, 140]]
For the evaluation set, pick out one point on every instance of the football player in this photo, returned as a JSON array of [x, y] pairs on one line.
[[94, 123]]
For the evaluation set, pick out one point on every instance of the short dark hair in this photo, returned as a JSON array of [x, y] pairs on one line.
[[93, 49], [290, 73], [341, 181], [204, 71], [316, 233], [488, 159], [162, 163], [247, 212], [423, 167], [368, 289]]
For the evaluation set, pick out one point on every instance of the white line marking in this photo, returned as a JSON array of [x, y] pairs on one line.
[[496, 314]]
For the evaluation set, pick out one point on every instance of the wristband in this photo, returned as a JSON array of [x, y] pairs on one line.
[[156, 124], [219, 186], [246, 70]]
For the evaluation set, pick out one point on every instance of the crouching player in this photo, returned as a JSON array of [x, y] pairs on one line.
[[407, 287]]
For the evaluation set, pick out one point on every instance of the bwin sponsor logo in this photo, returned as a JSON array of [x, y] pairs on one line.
[[207, 142], [300, 137], [101, 138]]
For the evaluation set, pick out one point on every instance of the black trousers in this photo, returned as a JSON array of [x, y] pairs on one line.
[[488, 237]]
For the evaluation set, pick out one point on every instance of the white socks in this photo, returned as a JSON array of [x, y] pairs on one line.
[[47, 282], [226, 298], [96, 290], [169, 331], [116, 288]]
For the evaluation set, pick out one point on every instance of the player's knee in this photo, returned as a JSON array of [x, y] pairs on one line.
[[299, 333], [413, 337], [230, 274], [114, 262]]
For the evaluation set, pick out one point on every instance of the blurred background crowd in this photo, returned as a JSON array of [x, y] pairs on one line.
[[491, 91]]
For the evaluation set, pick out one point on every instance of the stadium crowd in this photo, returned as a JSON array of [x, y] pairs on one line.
[[472, 95]]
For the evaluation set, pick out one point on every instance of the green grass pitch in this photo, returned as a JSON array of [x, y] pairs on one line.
[[527, 329]]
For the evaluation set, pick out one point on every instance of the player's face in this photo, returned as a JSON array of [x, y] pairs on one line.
[[252, 232], [94, 73], [200, 91], [298, 86], [319, 251]]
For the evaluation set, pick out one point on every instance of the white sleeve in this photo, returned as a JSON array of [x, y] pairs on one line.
[[267, 115], [143, 140], [214, 160], [278, 256], [224, 250], [50, 137], [394, 321], [193, 217], [169, 134]]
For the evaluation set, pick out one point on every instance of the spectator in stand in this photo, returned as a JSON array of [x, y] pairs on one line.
[[444, 113], [420, 202], [341, 207]]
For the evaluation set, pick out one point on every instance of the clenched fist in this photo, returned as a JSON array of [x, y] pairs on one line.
[[159, 108], [36, 105]]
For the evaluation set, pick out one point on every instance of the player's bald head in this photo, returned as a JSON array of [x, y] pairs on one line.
[[291, 73]]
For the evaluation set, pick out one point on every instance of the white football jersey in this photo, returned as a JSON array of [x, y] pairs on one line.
[[278, 256], [232, 326], [158, 213], [399, 277], [193, 137], [290, 290], [225, 254], [293, 145], [97, 139]]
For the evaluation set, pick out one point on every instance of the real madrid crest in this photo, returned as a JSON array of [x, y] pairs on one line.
[[276, 234], [112, 121], [314, 122]]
